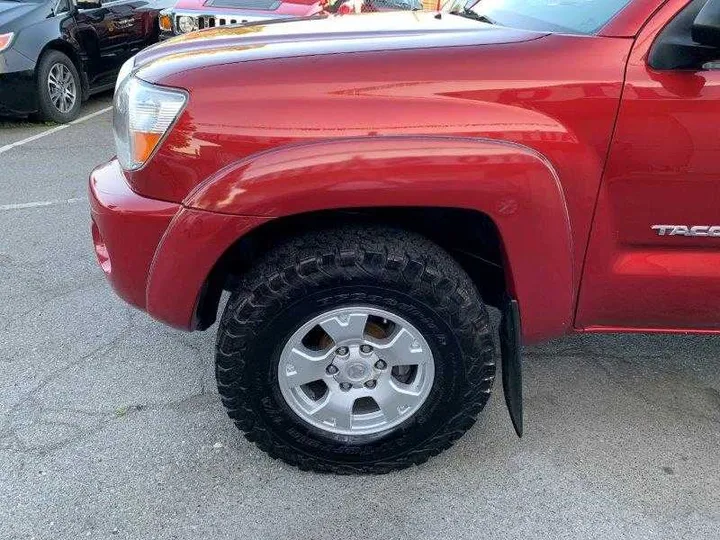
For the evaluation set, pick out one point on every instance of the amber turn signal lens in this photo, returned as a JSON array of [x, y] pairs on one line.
[[165, 23], [143, 145]]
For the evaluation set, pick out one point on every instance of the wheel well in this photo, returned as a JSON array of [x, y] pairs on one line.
[[471, 237], [67, 50]]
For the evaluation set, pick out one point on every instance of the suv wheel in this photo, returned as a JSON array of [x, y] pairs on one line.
[[362, 349], [59, 88]]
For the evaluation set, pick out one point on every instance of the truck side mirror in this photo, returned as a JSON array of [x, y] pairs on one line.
[[706, 27]]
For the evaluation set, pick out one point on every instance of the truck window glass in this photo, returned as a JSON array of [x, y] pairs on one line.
[[570, 16]]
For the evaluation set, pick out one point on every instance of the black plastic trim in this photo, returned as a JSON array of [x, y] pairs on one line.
[[675, 48], [706, 27], [511, 352]]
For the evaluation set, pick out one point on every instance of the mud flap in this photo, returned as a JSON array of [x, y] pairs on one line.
[[511, 351]]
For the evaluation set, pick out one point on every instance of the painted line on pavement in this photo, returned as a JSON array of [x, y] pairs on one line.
[[37, 204], [10, 146]]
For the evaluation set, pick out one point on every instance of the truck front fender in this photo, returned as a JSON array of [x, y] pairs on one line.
[[512, 184]]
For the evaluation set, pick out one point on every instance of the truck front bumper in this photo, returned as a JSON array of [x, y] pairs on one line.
[[157, 255]]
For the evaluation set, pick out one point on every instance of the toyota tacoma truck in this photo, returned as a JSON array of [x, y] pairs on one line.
[[365, 188]]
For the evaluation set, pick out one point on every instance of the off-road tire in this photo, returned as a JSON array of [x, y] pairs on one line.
[[47, 111], [382, 267]]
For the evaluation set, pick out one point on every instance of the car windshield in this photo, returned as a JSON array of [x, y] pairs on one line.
[[571, 16]]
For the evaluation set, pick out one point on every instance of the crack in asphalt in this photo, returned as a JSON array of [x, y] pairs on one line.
[[30, 395], [54, 295], [12, 441], [28, 412]]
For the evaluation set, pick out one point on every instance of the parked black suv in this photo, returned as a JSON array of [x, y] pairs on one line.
[[56, 53]]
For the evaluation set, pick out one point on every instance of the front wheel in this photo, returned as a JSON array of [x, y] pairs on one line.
[[361, 349], [59, 88]]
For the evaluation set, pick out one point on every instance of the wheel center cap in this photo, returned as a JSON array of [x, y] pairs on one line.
[[357, 371]]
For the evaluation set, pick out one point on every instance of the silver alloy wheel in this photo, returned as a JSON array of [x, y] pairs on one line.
[[62, 88], [382, 371]]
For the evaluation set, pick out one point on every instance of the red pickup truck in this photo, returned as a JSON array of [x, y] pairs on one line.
[[365, 187]]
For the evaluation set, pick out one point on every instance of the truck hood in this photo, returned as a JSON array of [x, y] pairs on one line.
[[327, 35]]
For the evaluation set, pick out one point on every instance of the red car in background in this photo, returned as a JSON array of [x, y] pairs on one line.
[[190, 15]]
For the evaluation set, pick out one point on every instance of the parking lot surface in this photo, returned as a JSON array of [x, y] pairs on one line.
[[110, 426]]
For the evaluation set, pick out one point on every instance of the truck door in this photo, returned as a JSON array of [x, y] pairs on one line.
[[143, 29], [105, 31], [653, 260]]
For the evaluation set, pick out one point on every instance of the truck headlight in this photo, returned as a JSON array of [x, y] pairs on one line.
[[142, 116], [186, 24]]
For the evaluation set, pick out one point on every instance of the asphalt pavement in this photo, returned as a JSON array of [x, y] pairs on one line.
[[110, 425]]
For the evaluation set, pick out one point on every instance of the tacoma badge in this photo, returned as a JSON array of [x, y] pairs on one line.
[[684, 230]]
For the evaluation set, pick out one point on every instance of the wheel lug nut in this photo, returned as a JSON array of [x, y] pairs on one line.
[[345, 386], [380, 364], [331, 370], [371, 383], [342, 351], [366, 349]]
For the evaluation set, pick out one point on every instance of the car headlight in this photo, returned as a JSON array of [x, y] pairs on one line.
[[186, 24], [142, 116], [5, 41]]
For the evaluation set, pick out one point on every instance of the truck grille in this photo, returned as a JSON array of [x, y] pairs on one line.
[[261, 5], [211, 21]]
